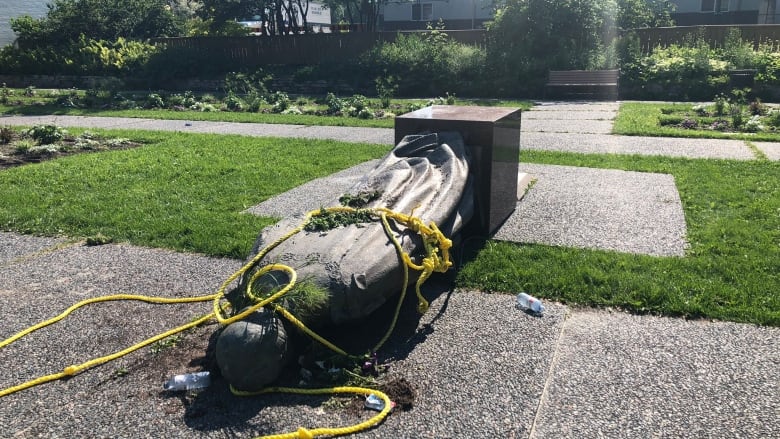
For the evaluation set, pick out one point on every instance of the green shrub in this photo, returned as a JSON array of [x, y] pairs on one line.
[[335, 104], [426, 63], [233, 102], [247, 83], [280, 101], [386, 87], [7, 135], [773, 119], [154, 100], [46, 134]]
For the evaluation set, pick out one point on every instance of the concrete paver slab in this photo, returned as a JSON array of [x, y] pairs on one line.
[[314, 194], [588, 126], [633, 212], [620, 375], [577, 106], [569, 115], [606, 209], [476, 378], [671, 147], [771, 149]]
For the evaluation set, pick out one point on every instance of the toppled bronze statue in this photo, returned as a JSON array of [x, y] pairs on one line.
[[345, 262]]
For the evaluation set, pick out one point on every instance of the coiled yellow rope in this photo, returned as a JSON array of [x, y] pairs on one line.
[[437, 259]]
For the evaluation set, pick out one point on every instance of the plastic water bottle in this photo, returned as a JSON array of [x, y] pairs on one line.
[[188, 381], [525, 301]]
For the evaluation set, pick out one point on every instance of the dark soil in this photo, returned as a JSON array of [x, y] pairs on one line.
[[11, 155]]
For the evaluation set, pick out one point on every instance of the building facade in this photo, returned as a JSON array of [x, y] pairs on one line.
[[706, 12], [416, 14]]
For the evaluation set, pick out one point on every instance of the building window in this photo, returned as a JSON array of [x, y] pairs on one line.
[[723, 6], [707, 5], [422, 11]]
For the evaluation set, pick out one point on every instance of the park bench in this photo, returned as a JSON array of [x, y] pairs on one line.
[[583, 84]]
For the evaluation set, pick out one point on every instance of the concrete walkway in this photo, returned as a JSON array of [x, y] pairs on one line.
[[479, 366], [582, 127]]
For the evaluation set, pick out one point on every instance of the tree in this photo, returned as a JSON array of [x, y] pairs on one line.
[[109, 20], [279, 17], [633, 14], [359, 12], [530, 37]]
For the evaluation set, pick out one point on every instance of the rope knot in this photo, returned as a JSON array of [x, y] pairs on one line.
[[70, 370]]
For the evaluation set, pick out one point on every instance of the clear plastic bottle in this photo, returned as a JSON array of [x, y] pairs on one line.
[[526, 301], [188, 381]]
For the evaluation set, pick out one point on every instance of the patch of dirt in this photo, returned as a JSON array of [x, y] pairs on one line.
[[400, 392], [17, 150]]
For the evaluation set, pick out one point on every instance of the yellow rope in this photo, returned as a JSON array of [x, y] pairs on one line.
[[433, 240], [338, 431]]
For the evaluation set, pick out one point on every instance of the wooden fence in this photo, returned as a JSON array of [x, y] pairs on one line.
[[298, 49], [650, 38]]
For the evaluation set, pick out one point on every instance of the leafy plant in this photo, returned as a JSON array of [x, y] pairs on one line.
[[361, 199], [233, 102], [365, 114], [753, 125], [720, 105], [773, 119], [450, 98], [335, 104], [46, 134], [386, 87], [245, 83], [154, 100], [700, 110], [327, 219], [7, 134], [164, 344], [689, 124], [98, 239], [5, 94], [757, 108], [280, 100], [22, 146]]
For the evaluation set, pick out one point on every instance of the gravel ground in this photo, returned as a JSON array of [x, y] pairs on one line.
[[478, 366]]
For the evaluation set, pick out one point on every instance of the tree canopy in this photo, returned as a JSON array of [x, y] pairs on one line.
[[109, 20], [633, 14]]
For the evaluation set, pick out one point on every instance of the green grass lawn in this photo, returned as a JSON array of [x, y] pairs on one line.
[[644, 119], [731, 271], [179, 191]]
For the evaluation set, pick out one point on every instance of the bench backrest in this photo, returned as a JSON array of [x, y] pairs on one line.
[[584, 76]]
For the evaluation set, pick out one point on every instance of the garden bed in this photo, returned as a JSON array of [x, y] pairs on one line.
[[45, 142]]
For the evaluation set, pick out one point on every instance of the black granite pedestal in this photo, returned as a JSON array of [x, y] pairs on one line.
[[492, 136]]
